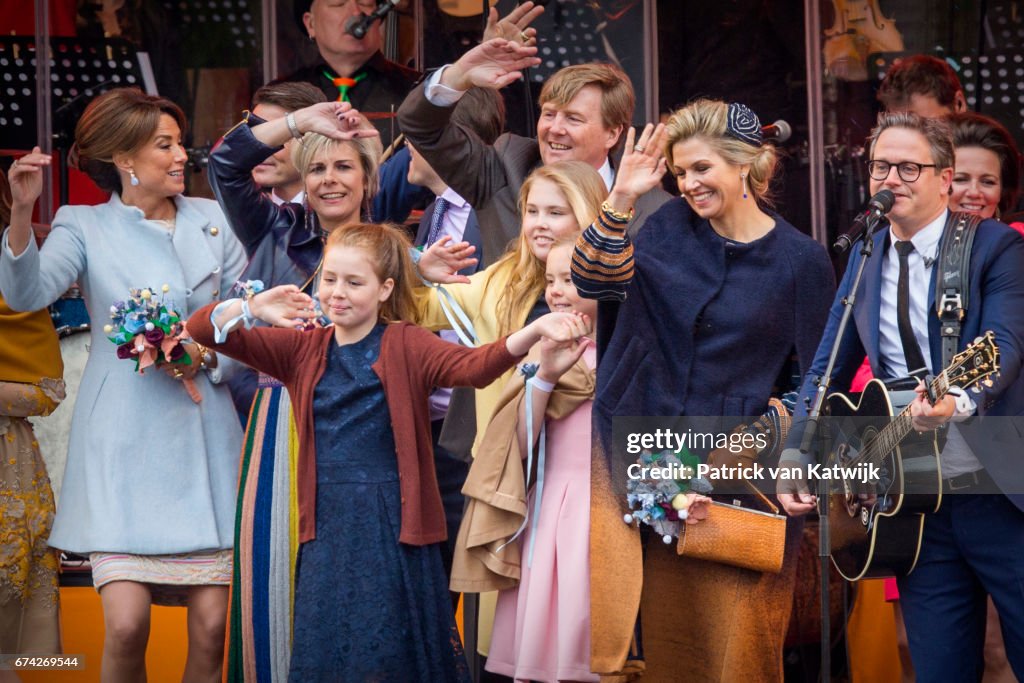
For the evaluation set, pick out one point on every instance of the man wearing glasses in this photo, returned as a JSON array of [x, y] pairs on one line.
[[973, 545]]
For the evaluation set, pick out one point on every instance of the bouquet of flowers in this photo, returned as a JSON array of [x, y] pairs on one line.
[[147, 329], [662, 501]]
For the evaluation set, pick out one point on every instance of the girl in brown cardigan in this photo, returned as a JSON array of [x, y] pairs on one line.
[[371, 600]]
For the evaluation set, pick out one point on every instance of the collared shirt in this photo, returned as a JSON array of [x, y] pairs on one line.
[[956, 457], [453, 225], [297, 199], [454, 222], [441, 95]]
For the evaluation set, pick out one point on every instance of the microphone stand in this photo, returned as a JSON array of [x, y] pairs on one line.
[[811, 442]]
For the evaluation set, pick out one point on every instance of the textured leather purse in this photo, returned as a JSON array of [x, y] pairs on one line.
[[738, 536]]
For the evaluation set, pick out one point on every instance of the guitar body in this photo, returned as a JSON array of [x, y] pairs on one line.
[[876, 529]]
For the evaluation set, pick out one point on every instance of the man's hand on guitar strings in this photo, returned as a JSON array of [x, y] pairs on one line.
[[927, 416]]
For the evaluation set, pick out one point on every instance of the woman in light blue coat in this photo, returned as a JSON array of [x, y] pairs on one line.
[[149, 487]]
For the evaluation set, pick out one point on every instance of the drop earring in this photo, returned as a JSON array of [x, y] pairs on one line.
[[743, 177], [135, 178]]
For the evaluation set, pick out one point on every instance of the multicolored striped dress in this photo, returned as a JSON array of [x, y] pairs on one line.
[[266, 541]]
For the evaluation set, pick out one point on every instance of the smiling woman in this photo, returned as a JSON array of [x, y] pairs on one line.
[[987, 166], [141, 452], [711, 305], [339, 176]]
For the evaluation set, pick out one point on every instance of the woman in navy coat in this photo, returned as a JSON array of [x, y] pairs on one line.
[[700, 319]]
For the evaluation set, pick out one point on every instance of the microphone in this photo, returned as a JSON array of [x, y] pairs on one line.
[[780, 131], [358, 26], [865, 222]]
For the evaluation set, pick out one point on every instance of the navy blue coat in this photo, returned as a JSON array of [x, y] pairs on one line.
[[708, 324]]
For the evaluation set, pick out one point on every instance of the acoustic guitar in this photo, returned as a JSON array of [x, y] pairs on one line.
[[876, 527]]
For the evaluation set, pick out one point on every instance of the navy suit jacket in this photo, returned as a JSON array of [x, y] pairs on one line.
[[997, 304], [471, 235]]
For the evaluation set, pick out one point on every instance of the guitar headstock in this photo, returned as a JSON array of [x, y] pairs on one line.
[[975, 364]]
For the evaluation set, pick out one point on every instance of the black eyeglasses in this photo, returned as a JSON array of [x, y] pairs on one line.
[[909, 171]]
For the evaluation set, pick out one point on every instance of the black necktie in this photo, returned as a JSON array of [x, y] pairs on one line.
[[911, 349]]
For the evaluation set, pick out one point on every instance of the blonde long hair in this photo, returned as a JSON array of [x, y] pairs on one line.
[[584, 189]]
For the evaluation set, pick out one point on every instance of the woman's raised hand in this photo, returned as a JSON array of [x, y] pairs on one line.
[[282, 306], [26, 178], [442, 261], [337, 120], [641, 167]]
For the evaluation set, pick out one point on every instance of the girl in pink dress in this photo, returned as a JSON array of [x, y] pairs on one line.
[[542, 626]]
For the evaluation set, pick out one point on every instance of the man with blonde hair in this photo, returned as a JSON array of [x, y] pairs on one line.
[[585, 110]]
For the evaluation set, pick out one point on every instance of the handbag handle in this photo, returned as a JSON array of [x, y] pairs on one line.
[[763, 498]]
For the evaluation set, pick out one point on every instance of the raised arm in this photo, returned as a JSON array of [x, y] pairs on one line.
[[252, 214], [26, 182], [274, 351], [602, 262], [468, 165], [30, 278]]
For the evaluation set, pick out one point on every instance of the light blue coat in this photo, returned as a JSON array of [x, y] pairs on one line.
[[148, 471]]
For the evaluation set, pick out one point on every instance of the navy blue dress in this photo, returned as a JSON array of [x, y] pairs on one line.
[[367, 608]]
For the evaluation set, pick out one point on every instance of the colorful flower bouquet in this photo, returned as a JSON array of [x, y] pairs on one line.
[[147, 329], [662, 501]]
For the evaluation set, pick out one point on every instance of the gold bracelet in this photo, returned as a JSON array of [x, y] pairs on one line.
[[615, 215], [205, 355]]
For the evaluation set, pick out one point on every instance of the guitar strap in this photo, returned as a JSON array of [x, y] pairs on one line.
[[952, 286]]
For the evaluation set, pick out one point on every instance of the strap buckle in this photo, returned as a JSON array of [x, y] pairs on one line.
[[951, 303]]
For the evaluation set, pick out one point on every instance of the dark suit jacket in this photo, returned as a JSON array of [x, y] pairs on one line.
[[471, 235], [997, 304], [384, 87], [489, 177]]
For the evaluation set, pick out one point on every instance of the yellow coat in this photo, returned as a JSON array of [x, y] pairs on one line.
[[479, 299]]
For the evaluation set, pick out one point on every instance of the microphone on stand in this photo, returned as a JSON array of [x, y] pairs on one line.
[[358, 26], [865, 222], [780, 131]]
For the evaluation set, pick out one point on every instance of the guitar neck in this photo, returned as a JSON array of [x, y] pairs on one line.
[[893, 434]]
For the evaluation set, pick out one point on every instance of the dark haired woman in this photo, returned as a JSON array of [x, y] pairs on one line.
[[986, 173], [149, 488], [715, 297]]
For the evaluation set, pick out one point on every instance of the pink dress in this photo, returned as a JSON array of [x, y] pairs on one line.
[[542, 627]]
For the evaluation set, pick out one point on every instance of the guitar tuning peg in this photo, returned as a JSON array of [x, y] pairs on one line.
[[977, 340], [976, 389]]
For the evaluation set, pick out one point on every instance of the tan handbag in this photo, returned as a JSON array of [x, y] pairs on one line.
[[738, 536]]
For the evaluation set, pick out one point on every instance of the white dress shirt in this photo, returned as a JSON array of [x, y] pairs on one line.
[[956, 458]]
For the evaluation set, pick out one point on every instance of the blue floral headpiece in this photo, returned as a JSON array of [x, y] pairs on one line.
[[743, 124]]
